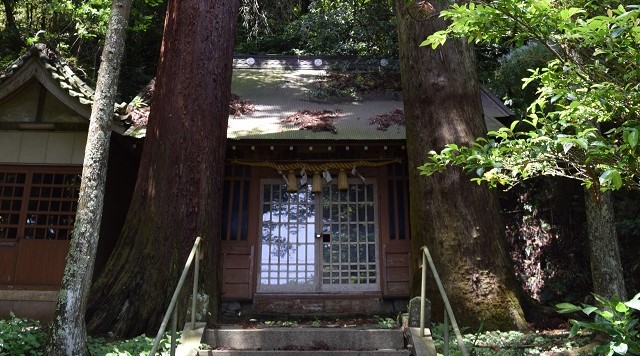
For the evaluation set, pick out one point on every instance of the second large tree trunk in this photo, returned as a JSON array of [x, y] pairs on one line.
[[604, 254], [177, 195], [457, 219]]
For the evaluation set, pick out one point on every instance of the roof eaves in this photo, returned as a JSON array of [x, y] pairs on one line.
[[62, 74]]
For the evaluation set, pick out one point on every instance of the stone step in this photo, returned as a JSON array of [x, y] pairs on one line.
[[316, 341], [310, 353], [190, 339]]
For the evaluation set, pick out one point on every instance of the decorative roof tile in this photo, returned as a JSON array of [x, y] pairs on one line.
[[57, 75], [58, 69]]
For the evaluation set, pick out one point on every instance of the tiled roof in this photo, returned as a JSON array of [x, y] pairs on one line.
[[280, 86], [57, 68], [56, 74]]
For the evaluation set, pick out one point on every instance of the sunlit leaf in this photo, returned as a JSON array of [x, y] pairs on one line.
[[620, 348], [589, 309], [622, 308], [567, 146], [565, 308], [634, 303]]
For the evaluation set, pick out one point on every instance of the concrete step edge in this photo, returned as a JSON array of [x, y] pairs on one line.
[[320, 338]]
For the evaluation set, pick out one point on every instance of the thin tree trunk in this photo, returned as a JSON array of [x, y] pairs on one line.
[[68, 334], [457, 219], [8, 12], [177, 194], [13, 42], [604, 254]]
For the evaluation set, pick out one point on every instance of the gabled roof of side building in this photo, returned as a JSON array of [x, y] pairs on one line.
[[40, 89]]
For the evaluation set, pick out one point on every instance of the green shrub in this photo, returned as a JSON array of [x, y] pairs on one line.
[[140, 345], [614, 318], [23, 337], [510, 343]]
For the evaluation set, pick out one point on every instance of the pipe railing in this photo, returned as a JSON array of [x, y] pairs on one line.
[[448, 313], [172, 310]]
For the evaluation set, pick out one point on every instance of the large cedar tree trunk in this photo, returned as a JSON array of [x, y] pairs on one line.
[[68, 333], [604, 255], [177, 194], [457, 219]]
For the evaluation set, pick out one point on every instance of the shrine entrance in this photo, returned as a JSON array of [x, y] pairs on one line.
[[318, 242]]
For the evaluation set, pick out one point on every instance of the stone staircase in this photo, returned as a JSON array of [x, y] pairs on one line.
[[305, 341]]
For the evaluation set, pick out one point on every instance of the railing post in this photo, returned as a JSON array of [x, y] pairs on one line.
[[196, 274], [174, 327], [446, 333], [174, 298], [445, 299], [423, 290]]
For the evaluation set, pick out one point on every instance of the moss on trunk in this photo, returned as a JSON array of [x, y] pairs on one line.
[[604, 253]]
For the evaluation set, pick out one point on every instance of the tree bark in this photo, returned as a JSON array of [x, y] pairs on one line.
[[457, 219], [177, 194], [13, 42], [604, 254], [8, 12], [68, 333]]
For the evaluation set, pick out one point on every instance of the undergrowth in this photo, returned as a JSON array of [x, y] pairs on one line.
[[490, 343], [24, 337]]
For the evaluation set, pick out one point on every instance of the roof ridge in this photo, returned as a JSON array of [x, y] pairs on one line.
[[58, 68]]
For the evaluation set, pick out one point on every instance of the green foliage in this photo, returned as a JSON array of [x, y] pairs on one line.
[[22, 337], [140, 345], [585, 122], [614, 318], [386, 322], [509, 343], [362, 28], [77, 29], [505, 82]]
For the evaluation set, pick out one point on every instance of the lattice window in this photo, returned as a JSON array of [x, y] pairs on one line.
[[333, 233], [349, 257], [12, 186], [288, 237], [38, 202]]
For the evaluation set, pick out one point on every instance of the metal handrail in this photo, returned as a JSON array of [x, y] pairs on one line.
[[172, 309], [448, 311]]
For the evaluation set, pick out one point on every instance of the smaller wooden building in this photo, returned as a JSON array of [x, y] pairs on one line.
[[44, 117]]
